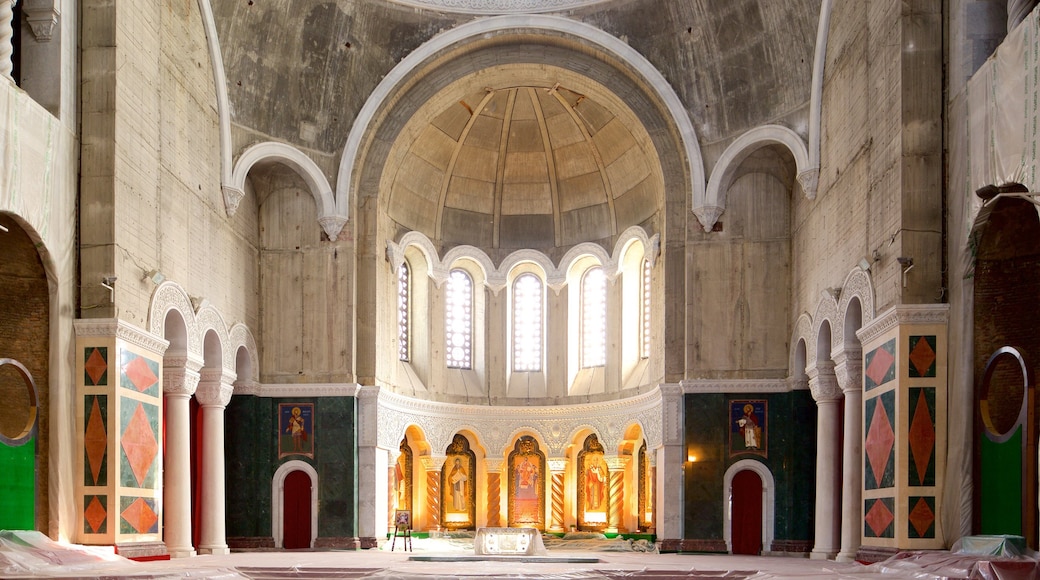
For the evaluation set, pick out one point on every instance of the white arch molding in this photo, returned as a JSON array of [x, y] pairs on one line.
[[768, 501], [278, 499]]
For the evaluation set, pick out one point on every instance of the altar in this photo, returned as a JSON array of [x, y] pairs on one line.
[[508, 542]]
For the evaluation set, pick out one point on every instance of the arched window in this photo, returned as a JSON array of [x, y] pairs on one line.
[[404, 292], [527, 323], [458, 320], [593, 318], [644, 345]]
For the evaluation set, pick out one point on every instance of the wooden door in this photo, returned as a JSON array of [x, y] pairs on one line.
[[296, 511], [746, 508]]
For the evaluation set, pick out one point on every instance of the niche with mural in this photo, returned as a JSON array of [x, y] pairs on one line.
[[526, 484], [458, 486], [593, 486]]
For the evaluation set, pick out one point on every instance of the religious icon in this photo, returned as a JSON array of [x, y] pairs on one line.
[[748, 427], [526, 484], [296, 429], [403, 519], [593, 486], [458, 487]]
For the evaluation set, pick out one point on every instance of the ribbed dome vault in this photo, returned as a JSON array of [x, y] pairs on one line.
[[523, 167]]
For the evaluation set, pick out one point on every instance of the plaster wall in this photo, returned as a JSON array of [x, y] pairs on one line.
[[151, 184]]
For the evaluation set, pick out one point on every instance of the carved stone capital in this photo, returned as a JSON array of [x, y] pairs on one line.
[[848, 369], [617, 462], [215, 387], [42, 16], [247, 387], [708, 215], [432, 462], [557, 464], [179, 380], [494, 464], [823, 383], [333, 225], [810, 181], [232, 197]]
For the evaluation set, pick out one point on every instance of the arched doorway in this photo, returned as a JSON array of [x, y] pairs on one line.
[[746, 513], [296, 511], [741, 494]]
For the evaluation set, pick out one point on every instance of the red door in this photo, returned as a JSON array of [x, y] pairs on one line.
[[747, 513], [296, 511]]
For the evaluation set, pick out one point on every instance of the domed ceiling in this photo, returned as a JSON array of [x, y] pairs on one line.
[[527, 166]]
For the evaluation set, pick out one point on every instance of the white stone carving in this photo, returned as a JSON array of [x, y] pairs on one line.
[[42, 16], [708, 215], [115, 328], [810, 181], [215, 387], [332, 225], [232, 197], [900, 315], [499, 6], [735, 386], [295, 390]]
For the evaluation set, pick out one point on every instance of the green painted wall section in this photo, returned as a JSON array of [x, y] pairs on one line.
[[791, 458], [18, 486], [1002, 485], [252, 435]]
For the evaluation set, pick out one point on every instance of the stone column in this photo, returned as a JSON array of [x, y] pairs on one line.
[[372, 460], [213, 394], [671, 457], [848, 369], [615, 520], [494, 492], [825, 391], [180, 379], [6, 35], [557, 471], [433, 464]]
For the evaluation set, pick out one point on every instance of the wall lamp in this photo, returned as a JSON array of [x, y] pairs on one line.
[[907, 264], [155, 276], [109, 282]]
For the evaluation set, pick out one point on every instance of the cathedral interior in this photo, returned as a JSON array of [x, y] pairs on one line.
[[729, 276]]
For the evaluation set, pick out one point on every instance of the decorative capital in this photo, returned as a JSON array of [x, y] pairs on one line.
[[180, 375], [810, 181], [232, 197], [42, 16], [215, 387], [333, 225], [823, 383], [557, 464], [708, 215]]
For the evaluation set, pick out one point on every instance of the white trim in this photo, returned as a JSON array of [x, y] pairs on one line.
[[734, 155], [278, 499], [220, 88], [486, 7], [768, 501], [296, 160], [483, 28]]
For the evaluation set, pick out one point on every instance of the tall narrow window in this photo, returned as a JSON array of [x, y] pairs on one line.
[[458, 320], [527, 323], [404, 292], [593, 318], [644, 346]]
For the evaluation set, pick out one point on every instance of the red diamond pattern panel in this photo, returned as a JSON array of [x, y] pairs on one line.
[[922, 356], [879, 517], [95, 514], [140, 374], [140, 515], [139, 444], [95, 440], [880, 439], [95, 365], [922, 436], [880, 365], [921, 517]]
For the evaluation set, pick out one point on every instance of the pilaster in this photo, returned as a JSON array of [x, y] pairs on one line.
[[119, 410], [904, 418]]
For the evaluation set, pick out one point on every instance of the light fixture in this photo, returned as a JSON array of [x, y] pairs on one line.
[[907, 264], [155, 276], [864, 265], [109, 282]]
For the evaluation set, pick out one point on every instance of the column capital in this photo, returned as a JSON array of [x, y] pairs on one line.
[[494, 465], [215, 387], [181, 374], [617, 462], [823, 383], [557, 464], [432, 462], [848, 369]]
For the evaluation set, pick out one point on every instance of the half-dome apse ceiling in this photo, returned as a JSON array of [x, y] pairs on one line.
[[530, 165]]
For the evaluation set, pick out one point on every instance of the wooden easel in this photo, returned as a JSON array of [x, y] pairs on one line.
[[402, 529]]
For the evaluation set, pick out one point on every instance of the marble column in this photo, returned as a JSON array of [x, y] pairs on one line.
[[671, 458], [180, 379], [433, 464], [557, 471], [213, 394], [494, 510], [825, 391], [848, 370], [615, 521], [371, 461]]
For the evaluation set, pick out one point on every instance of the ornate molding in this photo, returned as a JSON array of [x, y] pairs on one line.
[[488, 7], [42, 16], [912, 314], [115, 328], [332, 225], [810, 181], [497, 426], [303, 390], [823, 382], [693, 386], [232, 197], [708, 215], [215, 388], [557, 464]]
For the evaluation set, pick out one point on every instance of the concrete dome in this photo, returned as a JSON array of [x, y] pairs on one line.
[[538, 165]]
